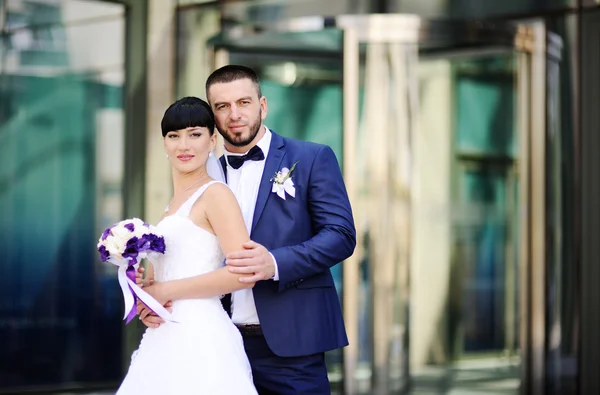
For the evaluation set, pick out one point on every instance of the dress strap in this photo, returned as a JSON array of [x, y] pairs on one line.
[[186, 207]]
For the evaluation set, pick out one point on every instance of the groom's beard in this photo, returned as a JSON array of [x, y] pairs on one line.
[[243, 140]]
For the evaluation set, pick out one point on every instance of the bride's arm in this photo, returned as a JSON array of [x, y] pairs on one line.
[[223, 213]]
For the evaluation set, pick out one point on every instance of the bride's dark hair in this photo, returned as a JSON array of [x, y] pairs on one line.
[[188, 112]]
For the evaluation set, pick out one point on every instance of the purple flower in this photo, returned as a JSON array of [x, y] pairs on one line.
[[145, 241], [129, 227], [131, 248], [158, 244], [104, 255], [106, 233], [151, 242]]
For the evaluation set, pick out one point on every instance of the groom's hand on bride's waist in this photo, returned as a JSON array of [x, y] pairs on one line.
[[255, 261]]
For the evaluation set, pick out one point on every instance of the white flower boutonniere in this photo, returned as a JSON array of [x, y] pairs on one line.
[[282, 182]]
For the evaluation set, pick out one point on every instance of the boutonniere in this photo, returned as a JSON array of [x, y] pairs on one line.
[[282, 182]]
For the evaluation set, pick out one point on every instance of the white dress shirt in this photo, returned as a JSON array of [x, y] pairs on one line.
[[245, 182]]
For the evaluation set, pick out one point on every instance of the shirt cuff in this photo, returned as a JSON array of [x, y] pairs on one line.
[[276, 275]]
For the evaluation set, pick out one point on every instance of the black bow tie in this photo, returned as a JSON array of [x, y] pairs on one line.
[[236, 161]]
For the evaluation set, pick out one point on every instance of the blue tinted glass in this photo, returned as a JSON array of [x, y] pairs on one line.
[[61, 144]]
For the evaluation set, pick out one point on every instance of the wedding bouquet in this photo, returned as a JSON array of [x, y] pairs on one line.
[[124, 245]]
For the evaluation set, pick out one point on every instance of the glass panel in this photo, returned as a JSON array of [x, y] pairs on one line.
[[260, 11], [61, 170], [22, 13], [485, 237], [322, 42], [475, 345], [448, 181], [382, 209], [195, 27]]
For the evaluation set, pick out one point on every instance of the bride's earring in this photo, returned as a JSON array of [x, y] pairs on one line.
[[210, 154]]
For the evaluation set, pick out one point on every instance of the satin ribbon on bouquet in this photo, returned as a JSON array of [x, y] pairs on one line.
[[132, 292]]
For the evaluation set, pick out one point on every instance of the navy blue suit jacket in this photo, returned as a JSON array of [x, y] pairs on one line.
[[307, 234]]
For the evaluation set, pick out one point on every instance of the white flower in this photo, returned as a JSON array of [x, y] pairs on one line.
[[140, 228], [121, 233], [137, 222], [115, 246], [282, 182]]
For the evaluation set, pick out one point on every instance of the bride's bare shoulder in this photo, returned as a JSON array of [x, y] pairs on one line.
[[217, 189], [219, 194]]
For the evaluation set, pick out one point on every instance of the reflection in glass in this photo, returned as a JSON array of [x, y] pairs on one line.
[[485, 154], [195, 27], [382, 209], [437, 198], [61, 151]]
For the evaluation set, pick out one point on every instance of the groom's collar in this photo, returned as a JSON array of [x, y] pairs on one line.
[[264, 144], [276, 140]]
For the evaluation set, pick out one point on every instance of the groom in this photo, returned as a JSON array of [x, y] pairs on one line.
[[297, 212], [300, 229]]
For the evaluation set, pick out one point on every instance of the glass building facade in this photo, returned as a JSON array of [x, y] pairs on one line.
[[61, 181], [465, 130]]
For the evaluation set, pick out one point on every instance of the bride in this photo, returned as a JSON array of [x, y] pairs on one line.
[[203, 352]]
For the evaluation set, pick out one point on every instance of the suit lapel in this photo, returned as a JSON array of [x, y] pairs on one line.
[[224, 166], [272, 166]]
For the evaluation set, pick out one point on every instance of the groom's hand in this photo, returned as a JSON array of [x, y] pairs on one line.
[[139, 278], [150, 319], [253, 259]]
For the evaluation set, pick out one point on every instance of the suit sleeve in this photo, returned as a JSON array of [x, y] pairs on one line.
[[331, 217]]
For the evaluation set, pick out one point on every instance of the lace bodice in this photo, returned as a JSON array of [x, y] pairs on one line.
[[190, 250]]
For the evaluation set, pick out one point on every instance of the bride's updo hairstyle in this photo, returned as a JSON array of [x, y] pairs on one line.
[[188, 112]]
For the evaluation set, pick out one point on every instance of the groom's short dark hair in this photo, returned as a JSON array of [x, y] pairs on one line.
[[230, 73]]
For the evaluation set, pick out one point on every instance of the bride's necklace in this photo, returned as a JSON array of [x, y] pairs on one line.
[[185, 190]]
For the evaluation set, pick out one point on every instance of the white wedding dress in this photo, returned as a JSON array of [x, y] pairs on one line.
[[203, 353]]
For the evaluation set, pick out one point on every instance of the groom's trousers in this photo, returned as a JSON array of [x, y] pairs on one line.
[[274, 375]]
